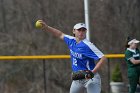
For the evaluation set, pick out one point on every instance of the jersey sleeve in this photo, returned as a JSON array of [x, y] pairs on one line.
[[92, 51], [128, 55], [68, 39]]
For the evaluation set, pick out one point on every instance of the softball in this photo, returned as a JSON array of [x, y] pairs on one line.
[[38, 24]]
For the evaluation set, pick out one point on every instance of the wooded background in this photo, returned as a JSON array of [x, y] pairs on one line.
[[111, 22]]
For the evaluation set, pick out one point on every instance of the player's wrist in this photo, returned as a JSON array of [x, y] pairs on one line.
[[89, 74], [93, 71], [45, 27]]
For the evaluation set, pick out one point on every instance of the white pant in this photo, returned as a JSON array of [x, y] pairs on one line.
[[91, 85]]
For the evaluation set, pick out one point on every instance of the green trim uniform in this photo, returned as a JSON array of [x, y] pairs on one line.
[[133, 69]]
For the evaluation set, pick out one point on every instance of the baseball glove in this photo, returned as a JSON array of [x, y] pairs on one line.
[[82, 74]]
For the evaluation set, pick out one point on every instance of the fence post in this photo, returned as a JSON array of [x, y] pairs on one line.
[[44, 71], [108, 63]]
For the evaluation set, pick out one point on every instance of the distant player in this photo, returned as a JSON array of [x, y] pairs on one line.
[[83, 53], [132, 57]]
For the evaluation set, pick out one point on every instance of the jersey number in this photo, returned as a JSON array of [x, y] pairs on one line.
[[74, 62]]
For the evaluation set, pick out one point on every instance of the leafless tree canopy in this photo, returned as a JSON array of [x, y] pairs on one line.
[[111, 21]]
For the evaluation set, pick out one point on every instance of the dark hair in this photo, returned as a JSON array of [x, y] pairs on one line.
[[73, 34], [127, 40]]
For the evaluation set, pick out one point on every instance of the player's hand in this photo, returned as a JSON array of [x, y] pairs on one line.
[[82, 74], [40, 24], [89, 74]]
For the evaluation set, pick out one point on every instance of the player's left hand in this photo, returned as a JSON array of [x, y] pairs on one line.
[[82, 74]]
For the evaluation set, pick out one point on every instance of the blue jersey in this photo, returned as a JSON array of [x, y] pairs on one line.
[[82, 54]]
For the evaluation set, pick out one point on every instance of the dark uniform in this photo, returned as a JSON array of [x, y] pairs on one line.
[[133, 69]]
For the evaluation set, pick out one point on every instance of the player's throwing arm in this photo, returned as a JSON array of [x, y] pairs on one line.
[[40, 24]]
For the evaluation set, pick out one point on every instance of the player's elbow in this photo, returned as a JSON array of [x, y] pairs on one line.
[[104, 59], [134, 61], [61, 36]]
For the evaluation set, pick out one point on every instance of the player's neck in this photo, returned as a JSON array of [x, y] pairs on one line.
[[78, 40]]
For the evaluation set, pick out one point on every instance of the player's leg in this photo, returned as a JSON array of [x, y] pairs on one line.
[[133, 84], [133, 79], [76, 87], [94, 84], [138, 72]]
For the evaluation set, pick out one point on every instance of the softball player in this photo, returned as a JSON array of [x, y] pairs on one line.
[[132, 57], [83, 53]]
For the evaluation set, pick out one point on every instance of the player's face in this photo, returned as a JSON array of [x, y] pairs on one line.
[[80, 33], [134, 45]]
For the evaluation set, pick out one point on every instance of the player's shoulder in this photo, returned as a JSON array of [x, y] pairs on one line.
[[128, 52], [88, 43], [91, 45], [68, 36]]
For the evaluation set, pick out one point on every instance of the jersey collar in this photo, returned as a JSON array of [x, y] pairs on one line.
[[132, 50]]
